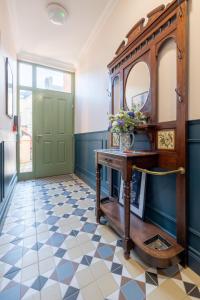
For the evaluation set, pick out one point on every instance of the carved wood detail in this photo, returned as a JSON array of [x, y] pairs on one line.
[[143, 43]]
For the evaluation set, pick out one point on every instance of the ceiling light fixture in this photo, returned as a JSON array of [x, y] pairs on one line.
[[57, 13]]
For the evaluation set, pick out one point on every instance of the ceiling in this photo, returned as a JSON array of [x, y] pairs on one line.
[[35, 35]]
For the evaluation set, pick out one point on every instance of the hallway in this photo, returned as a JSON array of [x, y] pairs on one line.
[[51, 248]]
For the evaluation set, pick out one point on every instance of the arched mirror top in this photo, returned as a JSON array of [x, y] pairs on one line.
[[137, 86]]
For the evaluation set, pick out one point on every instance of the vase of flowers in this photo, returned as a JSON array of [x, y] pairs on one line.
[[124, 123]]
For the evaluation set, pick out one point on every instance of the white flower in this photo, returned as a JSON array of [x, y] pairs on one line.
[[114, 123]]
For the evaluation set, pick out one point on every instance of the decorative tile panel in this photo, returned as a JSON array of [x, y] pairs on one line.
[[166, 139]]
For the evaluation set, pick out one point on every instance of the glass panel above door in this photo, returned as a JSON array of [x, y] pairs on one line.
[[25, 74], [49, 79]]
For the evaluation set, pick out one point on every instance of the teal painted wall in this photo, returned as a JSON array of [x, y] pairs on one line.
[[161, 191], [8, 175]]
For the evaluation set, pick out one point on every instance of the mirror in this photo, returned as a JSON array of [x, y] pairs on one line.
[[116, 95], [167, 81], [137, 86]]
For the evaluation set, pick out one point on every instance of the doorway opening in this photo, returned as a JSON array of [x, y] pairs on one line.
[[46, 116]]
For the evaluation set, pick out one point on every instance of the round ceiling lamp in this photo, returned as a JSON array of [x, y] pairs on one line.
[[57, 13]]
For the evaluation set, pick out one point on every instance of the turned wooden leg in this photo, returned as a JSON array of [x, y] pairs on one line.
[[127, 219], [98, 192]]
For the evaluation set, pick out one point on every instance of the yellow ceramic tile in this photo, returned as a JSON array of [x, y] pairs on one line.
[[51, 292], [74, 253], [110, 237], [29, 258], [29, 273], [30, 241], [84, 277], [45, 252], [189, 276], [133, 268], [99, 269], [83, 238], [32, 295], [92, 292], [46, 265], [75, 224], [167, 291], [70, 242], [42, 227], [107, 284], [87, 247]]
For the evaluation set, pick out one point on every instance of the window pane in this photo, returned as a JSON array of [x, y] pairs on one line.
[[25, 74], [53, 80], [25, 131]]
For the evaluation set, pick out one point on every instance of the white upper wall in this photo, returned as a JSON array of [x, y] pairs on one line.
[[36, 35], [7, 49], [92, 80]]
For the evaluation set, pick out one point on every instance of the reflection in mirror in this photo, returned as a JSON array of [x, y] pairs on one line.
[[137, 86], [167, 75], [116, 95]]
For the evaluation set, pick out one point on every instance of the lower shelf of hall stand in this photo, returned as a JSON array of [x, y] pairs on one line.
[[141, 232]]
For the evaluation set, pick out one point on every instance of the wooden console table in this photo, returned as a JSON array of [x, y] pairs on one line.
[[132, 229]]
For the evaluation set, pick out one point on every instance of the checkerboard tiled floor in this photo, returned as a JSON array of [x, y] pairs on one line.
[[51, 248]]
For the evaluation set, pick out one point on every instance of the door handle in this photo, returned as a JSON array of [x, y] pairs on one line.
[[38, 137]]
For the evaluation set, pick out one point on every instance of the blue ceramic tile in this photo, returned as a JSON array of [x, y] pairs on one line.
[[39, 283], [11, 292], [91, 196], [49, 213], [105, 251], [54, 228], [48, 207], [74, 233], [96, 238], [64, 271], [86, 260], [90, 208], [52, 220], [116, 268], [132, 288], [71, 291], [119, 243], [37, 246], [79, 212], [89, 227], [60, 252], [56, 239], [12, 273], [66, 216], [75, 206], [13, 255], [71, 201]]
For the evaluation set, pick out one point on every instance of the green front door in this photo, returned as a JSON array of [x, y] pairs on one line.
[[53, 133]]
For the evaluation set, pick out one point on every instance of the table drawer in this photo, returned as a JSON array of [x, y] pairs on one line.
[[110, 161]]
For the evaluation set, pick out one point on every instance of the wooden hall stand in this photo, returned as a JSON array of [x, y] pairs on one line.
[[143, 44]]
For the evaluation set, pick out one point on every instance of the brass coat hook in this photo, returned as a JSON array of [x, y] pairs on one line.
[[108, 92], [180, 97]]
